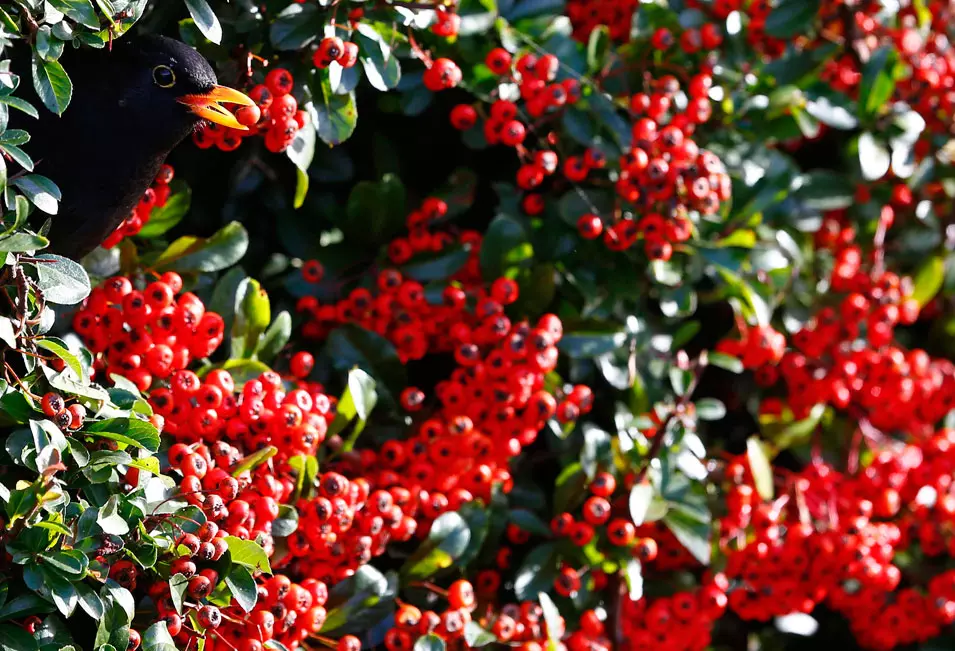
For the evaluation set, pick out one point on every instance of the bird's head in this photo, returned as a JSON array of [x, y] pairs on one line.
[[176, 85]]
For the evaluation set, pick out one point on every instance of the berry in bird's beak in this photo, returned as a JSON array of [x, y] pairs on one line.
[[209, 105]]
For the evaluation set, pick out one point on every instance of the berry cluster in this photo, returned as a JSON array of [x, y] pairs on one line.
[[345, 525], [666, 176], [682, 621], [260, 415], [68, 417], [154, 197], [146, 334], [398, 309], [334, 50], [540, 92], [587, 15], [275, 115]]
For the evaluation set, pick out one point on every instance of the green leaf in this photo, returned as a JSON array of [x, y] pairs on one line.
[[825, 190], [254, 460], [786, 432], [157, 638], [552, 620], [275, 338], [710, 409], [196, 254], [641, 495], [357, 401], [505, 245], [178, 584], [242, 586], [528, 521], [440, 267], [475, 636], [23, 606], [878, 80], [109, 518], [359, 602], [15, 638], [252, 316], [429, 642], [81, 11], [335, 116], [287, 522], [301, 188], [68, 561], [597, 46], [381, 67], [21, 242], [537, 573], [446, 542], [633, 575], [131, 431], [206, 19], [528, 8], [61, 280], [164, 218], [20, 105], [41, 192], [692, 531], [302, 151], [295, 27], [349, 346], [760, 466], [376, 211], [928, 279], [791, 17], [569, 489], [52, 84], [248, 553], [874, 157], [58, 348], [725, 362]]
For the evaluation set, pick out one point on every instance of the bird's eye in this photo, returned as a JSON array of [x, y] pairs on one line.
[[164, 76]]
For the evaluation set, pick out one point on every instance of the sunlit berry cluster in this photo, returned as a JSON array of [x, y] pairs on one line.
[[146, 334], [682, 621]]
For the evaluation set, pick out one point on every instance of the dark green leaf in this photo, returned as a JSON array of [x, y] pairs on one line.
[[693, 532], [295, 27], [15, 638], [878, 80], [52, 84], [131, 431], [537, 573], [505, 245], [242, 586], [791, 17], [191, 254], [447, 540], [161, 219]]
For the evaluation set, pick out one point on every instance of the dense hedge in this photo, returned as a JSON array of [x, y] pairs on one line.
[[609, 324]]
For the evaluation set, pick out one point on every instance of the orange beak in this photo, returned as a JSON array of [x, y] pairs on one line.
[[209, 105]]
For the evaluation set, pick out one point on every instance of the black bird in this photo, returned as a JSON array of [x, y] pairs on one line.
[[131, 106]]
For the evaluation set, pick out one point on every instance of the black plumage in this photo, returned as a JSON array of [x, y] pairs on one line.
[[131, 106]]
